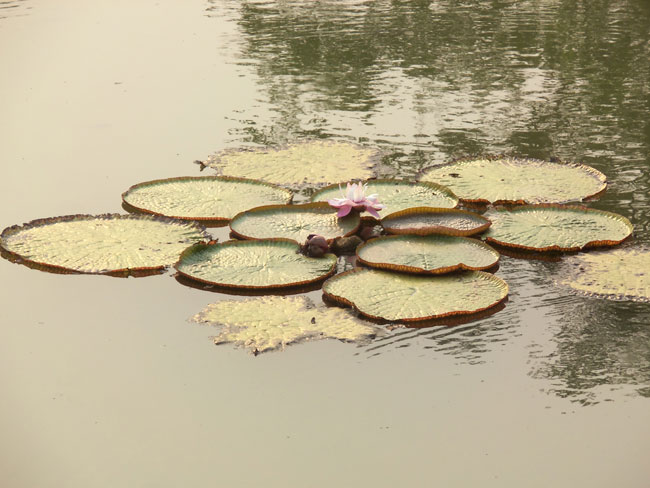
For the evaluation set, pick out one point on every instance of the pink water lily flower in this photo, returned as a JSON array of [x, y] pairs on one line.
[[355, 198]]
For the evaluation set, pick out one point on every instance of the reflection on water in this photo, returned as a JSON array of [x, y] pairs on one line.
[[429, 81], [539, 78], [596, 347], [13, 8]]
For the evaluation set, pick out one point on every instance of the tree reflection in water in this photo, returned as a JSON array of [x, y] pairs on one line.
[[428, 81]]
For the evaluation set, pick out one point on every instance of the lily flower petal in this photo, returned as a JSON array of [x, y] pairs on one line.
[[344, 210]]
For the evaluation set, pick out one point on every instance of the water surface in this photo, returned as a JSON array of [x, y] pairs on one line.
[[107, 384]]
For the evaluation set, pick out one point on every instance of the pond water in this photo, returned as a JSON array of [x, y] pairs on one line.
[[105, 383]]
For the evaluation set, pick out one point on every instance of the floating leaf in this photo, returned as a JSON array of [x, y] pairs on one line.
[[295, 222], [557, 228], [313, 163], [405, 297], [435, 254], [513, 180], [425, 221], [203, 198], [271, 323], [101, 244], [397, 195], [619, 274], [258, 264]]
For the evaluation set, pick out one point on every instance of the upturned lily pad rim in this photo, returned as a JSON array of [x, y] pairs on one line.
[[373, 161], [555, 247], [403, 268], [446, 191], [290, 207], [483, 201], [247, 292], [198, 247], [235, 179], [440, 229], [138, 271], [344, 301]]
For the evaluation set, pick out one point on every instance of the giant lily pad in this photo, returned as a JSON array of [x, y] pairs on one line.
[[272, 322], [513, 180], [313, 163], [101, 244], [203, 198], [295, 222], [406, 297], [557, 228], [435, 254], [619, 274], [425, 221], [397, 195], [258, 264]]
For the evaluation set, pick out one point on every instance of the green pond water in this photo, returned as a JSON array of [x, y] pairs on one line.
[[105, 382]]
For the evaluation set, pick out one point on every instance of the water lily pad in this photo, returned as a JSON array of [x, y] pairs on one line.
[[405, 297], [101, 244], [258, 264], [272, 322], [397, 195], [619, 274], [557, 228], [295, 222], [312, 163], [435, 254], [514, 180], [425, 221], [203, 198]]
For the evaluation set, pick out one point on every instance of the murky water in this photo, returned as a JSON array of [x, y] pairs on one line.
[[107, 384]]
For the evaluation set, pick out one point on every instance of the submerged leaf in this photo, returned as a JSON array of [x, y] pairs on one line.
[[272, 322], [312, 163], [435, 254], [398, 195], [404, 297], [295, 222], [425, 221], [557, 228], [514, 180], [101, 244], [258, 264], [203, 198], [619, 274]]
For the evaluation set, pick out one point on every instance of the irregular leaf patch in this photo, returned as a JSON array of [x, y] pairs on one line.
[[312, 163], [101, 244], [258, 264], [425, 221], [203, 198], [436, 254], [557, 228], [397, 195], [295, 222], [514, 180], [405, 297], [271, 323], [619, 274]]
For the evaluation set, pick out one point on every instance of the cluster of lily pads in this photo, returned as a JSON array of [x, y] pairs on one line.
[[420, 259]]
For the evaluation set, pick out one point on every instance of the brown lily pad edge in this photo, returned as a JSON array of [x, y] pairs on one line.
[[332, 299], [403, 268], [438, 229], [205, 221], [480, 203], [555, 249], [117, 273], [289, 207], [199, 247]]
